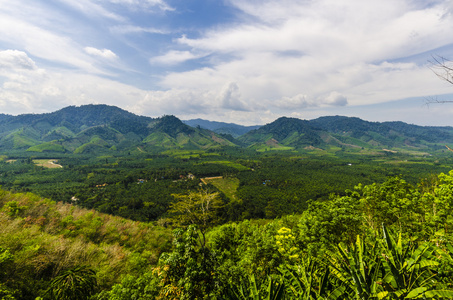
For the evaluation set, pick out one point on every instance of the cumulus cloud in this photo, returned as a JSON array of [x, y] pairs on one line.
[[301, 101], [275, 58], [353, 53], [230, 97], [335, 99], [104, 53], [15, 59], [44, 91]]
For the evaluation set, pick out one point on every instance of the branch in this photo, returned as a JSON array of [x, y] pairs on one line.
[[443, 68]]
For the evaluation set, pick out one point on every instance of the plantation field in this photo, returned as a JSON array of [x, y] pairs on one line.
[[140, 185]]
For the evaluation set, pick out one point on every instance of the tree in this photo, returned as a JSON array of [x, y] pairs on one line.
[[6, 263], [144, 287], [443, 68], [197, 208], [78, 283], [189, 271]]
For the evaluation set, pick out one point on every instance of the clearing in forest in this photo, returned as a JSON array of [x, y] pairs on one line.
[[47, 163], [228, 185]]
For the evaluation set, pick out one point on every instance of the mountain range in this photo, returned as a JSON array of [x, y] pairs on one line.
[[232, 129], [103, 128]]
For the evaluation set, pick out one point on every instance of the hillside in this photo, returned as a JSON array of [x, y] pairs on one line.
[[346, 132], [99, 128], [282, 133], [91, 129], [41, 238], [391, 228]]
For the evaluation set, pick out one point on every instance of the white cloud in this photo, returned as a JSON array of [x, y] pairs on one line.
[[14, 59], [306, 54], [175, 57], [301, 101], [42, 91], [335, 99], [43, 43], [94, 10], [276, 58], [104, 53], [126, 29], [230, 97], [140, 4]]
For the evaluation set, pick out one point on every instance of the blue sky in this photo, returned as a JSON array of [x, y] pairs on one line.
[[242, 61]]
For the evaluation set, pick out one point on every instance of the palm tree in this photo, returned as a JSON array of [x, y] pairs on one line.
[[78, 283]]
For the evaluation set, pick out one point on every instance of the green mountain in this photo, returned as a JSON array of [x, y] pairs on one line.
[[346, 132], [100, 128], [103, 128], [390, 134], [284, 133]]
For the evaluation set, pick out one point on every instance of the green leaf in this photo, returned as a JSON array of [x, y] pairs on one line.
[[416, 292]]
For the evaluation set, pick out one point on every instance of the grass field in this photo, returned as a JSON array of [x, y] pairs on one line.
[[228, 186], [227, 163], [47, 163]]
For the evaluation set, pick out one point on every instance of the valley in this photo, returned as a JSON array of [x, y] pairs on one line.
[[142, 199]]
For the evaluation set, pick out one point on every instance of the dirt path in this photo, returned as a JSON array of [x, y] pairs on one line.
[[209, 178], [51, 163]]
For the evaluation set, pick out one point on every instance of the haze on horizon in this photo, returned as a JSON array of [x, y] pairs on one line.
[[241, 61]]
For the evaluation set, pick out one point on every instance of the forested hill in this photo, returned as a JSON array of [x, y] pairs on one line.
[[284, 131], [103, 128], [98, 128], [346, 132], [361, 129]]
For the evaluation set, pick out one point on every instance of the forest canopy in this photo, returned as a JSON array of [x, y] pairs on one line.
[[388, 240]]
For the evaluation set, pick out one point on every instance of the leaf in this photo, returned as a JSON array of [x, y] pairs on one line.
[[443, 294], [416, 292]]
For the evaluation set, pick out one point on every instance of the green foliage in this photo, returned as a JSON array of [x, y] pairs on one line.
[[47, 147], [189, 271], [330, 251], [13, 208], [389, 269], [6, 268], [197, 208], [144, 286], [45, 237], [251, 290], [325, 224], [78, 283]]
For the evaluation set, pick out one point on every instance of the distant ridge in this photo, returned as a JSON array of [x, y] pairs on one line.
[[103, 128], [234, 130], [345, 132]]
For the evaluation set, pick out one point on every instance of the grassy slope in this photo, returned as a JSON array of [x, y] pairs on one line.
[[47, 237]]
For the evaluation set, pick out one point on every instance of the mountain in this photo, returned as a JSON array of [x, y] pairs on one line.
[[232, 129], [283, 132], [391, 134], [345, 132], [103, 128], [97, 128]]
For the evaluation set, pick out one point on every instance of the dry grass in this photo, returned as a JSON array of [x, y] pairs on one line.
[[47, 163], [47, 237]]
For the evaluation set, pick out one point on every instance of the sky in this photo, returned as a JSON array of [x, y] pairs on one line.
[[241, 61]]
